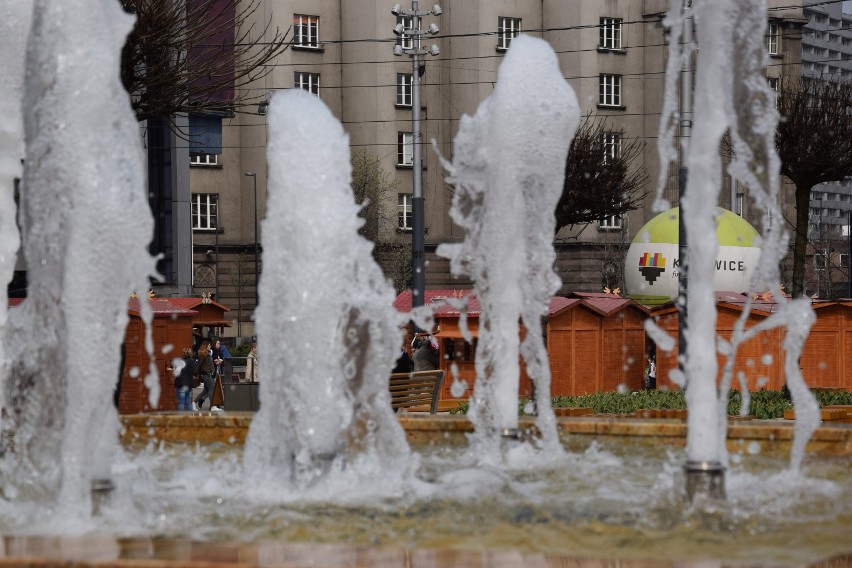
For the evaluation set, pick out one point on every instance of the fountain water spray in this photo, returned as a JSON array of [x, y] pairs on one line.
[[85, 225], [326, 324], [731, 96], [508, 169]]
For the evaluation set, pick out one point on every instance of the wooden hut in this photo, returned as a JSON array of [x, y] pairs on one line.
[[825, 362], [595, 342], [171, 331]]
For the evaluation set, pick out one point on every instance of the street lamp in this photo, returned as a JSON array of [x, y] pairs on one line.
[[253, 177]]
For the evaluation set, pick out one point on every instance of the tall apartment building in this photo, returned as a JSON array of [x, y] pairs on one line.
[[827, 55], [612, 53]]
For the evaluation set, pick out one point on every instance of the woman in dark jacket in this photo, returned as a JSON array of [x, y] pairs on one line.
[[205, 370], [183, 381]]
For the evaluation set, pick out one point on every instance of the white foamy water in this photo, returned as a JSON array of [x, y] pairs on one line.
[[326, 324], [508, 169], [85, 225]]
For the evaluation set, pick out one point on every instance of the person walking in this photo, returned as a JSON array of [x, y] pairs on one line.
[[205, 370], [251, 364], [184, 380], [222, 360]]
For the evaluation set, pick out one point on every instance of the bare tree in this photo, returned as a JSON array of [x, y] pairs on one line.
[[375, 190], [196, 55], [814, 143], [610, 260], [604, 175]]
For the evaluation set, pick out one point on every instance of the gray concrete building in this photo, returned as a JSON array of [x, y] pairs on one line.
[[612, 53]]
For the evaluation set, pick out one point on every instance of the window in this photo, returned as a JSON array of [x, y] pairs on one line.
[[197, 159], [773, 83], [609, 223], [405, 149], [308, 82], [406, 41], [772, 38], [305, 31], [612, 146], [610, 90], [844, 261], [507, 30], [205, 211], [738, 208], [405, 217], [403, 89], [819, 261], [610, 33]]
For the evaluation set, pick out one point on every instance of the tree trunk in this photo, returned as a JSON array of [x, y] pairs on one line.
[[803, 197]]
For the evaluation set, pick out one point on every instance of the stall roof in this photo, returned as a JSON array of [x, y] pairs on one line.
[[161, 307], [190, 303], [474, 308]]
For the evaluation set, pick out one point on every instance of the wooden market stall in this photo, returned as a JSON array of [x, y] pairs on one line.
[[826, 359], [596, 342]]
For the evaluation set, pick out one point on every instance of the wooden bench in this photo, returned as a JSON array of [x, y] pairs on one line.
[[415, 389]]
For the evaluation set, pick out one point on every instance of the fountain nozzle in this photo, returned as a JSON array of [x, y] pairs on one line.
[[705, 479]]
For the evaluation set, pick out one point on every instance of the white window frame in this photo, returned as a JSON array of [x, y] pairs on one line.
[[308, 81], [405, 149], [613, 222], [205, 211], [404, 91], [773, 38], [612, 146], [739, 207], [610, 33], [507, 30], [406, 41], [203, 160], [306, 31], [844, 260], [405, 212], [609, 90], [820, 259]]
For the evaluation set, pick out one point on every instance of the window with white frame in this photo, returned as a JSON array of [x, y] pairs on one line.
[[772, 38], [819, 261], [307, 81], [205, 207], [612, 146], [405, 149], [305, 31], [405, 215], [738, 208], [774, 83], [610, 33], [844, 260], [609, 93], [403, 89], [610, 223], [197, 159], [507, 30], [405, 41]]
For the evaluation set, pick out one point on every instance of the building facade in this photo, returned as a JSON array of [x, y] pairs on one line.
[[612, 53]]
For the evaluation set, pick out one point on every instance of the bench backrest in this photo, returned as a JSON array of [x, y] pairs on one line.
[[415, 389]]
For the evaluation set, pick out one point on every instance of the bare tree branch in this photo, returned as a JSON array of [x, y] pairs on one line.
[[598, 184], [196, 56]]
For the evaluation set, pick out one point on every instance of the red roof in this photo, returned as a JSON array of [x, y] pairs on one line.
[[190, 303], [161, 307], [605, 304], [474, 308]]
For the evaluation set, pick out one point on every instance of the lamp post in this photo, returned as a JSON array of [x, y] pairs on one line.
[[418, 252], [253, 177]]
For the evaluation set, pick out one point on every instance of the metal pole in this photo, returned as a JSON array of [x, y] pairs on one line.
[[253, 176], [685, 133], [418, 245]]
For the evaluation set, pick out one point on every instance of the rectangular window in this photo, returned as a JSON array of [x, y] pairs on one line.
[[609, 223], [609, 93], [305, 31], [740, 204], [196, 159], [405, 218], [507, 30], [405, 149], [403, 89], [307, 81], [772, 38], [406, 41], [773, 83], [844, 260], [612, 146], [819, 261], [610, 33], [205, 211]]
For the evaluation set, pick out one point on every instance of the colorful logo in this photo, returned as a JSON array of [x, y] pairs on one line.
[[651, 266]]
